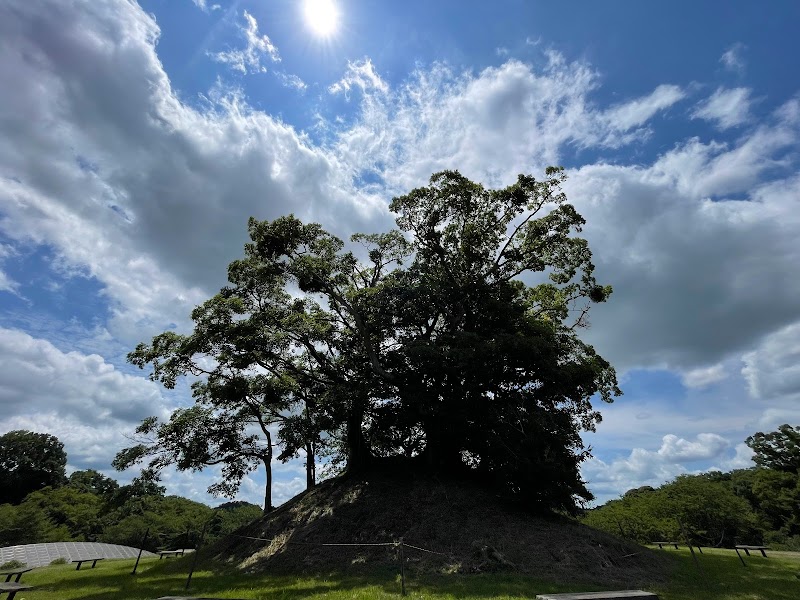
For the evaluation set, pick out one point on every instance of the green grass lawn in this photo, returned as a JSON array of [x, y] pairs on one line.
[[722, 578]]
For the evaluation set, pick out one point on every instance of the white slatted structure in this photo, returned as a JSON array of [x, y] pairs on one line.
[[39, 555]]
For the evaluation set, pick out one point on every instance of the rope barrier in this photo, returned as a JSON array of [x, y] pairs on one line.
[[406, 544], [247, 537]]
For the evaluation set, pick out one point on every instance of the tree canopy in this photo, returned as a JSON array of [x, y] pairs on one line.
[[779, 450], [449, 344], [30, 461]]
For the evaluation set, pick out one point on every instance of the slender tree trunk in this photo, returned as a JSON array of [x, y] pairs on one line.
[[268, 468], [311, 466]]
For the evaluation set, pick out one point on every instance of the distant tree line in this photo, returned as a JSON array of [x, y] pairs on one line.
[[41, 504], [744, 506]]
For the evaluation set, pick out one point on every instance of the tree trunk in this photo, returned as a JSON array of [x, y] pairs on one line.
[[311, 467], [441, 449], [358, 454], [268, 468]]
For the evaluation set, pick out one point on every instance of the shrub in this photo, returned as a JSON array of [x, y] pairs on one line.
[[13, 564]]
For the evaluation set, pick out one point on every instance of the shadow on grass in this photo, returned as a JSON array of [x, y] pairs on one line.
[[721, 576]]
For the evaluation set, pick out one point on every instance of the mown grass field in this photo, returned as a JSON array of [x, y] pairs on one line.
[[721, 576]]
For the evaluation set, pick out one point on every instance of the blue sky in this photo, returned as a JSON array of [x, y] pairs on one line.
[[138, 138]]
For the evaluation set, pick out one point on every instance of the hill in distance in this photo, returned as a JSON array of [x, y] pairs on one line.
[[465, 528]]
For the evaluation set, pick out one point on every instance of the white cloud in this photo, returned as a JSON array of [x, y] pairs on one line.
[[204, 6], [637, 112], [647, 467], [80, 398], [742, 459], [6, 283], [772, 369], [38, 377], [704, 376], [707, 446], [248, 59], [695, 280], [186, 179], [360, 74], [732, 58], [491, 126], [292, 81], [726, 107]]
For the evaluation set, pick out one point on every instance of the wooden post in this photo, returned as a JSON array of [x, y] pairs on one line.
[[694, 556], [402, 570], [141, 547], [689, 543], [196, 552], [744, 564]]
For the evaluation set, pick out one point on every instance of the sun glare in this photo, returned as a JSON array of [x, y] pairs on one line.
[[322, 16]]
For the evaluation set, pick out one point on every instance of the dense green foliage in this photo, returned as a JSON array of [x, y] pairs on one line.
[[745, 506], [29, 461], [68, 514], [778, 450], [88, 506], [420, 347]]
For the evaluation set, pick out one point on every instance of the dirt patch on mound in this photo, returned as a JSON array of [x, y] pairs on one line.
[[445, 527]]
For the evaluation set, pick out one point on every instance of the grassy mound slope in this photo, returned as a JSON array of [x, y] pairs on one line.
[[469, 529]]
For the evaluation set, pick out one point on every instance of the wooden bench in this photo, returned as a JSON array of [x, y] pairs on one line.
[[11, 588], [615, 595], [168, 553], [748, 548], [83, 560], [16, 574], [662, 544]]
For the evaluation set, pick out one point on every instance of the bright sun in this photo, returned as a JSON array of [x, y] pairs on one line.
[[321, 16]]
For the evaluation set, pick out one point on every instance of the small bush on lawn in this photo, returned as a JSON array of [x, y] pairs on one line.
[[59, 561], [13, 564]]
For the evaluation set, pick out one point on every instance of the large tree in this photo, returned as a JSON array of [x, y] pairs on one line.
[[450, 344], [30, 461], [778, 450]]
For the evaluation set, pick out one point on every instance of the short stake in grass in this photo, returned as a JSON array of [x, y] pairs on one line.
[[141, 548], [402, 570], [196, 552]]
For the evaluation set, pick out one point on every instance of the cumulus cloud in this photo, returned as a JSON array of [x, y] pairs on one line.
[[38, 377], [695, 280], [772, 369], [648, 467], [83, 400], [742, 459], [726, 107], [704, 376], [248, 59], [165, 207]]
